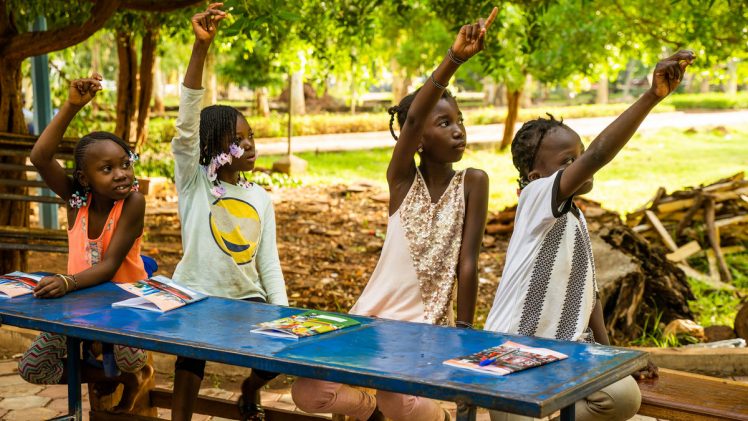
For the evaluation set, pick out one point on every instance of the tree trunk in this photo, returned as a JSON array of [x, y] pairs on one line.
[[95, 67], [12, 212], [127, 88], [489, 91], [527, 97], [158, 88], [209, 81], [602, 90], [263, 106], [732, 76], [704, 86], [354, 98], [147, 62], [512, 99], [297, 93], [500, 95], [629, 80]]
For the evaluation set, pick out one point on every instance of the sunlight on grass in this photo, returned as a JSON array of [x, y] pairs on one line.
[[672, 158]]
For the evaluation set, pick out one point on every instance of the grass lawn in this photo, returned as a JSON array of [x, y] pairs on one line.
[[672, 158]]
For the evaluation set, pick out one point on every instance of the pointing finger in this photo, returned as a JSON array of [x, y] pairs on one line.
[[491, 17]]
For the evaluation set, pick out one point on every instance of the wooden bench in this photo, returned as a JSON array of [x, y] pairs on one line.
[[16, 189], [678, 395]]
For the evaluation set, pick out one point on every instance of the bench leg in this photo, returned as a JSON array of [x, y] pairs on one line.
[[567, 414], [466, 412]]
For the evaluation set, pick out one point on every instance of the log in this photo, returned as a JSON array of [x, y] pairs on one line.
[[713, 234], [636, 282], [666, 238], [684, 252], [741, 322]]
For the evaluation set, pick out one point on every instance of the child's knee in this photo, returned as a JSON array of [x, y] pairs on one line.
[[42, 363], [397, 406], [313, 395], [129, 359], [619, 401]]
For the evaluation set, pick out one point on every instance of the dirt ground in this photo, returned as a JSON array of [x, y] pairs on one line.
[[329, 241]]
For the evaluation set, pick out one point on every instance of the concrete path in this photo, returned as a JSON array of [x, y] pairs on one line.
[[493, 132]]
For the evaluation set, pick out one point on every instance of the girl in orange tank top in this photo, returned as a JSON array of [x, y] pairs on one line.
[[103, 241]]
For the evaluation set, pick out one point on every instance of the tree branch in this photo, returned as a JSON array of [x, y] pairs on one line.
[[31, 44], [158, 5]]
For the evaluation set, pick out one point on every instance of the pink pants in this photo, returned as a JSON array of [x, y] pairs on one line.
[[319, 396]]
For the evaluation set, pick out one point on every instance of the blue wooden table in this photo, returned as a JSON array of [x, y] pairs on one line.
[[381, 354]]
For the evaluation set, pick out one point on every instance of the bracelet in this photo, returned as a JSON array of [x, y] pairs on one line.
[[462, 324], [453, 58], [437, 84], [64, 279], [75, 282]]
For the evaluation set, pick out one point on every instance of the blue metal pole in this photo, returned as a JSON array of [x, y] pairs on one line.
[[75, 409], [42, 117]]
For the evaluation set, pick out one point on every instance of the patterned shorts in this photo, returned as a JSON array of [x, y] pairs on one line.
[[44, 362]]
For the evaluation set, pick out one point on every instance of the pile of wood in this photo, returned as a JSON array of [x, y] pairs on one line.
[[711, 220], [637, 282]]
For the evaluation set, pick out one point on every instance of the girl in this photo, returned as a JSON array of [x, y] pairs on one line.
[[104, 239], [228, 224], [548, 287], [437, 217]]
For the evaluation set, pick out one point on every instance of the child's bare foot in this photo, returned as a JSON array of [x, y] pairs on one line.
[[133, 383]]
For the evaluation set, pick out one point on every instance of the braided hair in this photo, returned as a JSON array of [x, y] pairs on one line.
[[217, 131], [401, 110], [527, 142], [79, 156]]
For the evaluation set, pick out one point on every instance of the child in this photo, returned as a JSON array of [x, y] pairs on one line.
[[107, 214], [437, 218], [548, 287], [228, 224]]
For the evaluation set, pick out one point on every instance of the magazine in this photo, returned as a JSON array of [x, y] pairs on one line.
[[308, 323], [506, 358], [16, 284], [158, 294]]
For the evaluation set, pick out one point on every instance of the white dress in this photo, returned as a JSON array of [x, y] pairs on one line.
[[414, 279]]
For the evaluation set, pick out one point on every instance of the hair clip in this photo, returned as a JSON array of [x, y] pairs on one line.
[[77, 200]]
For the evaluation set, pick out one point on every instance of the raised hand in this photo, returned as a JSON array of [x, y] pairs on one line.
[[669, 72], [205, 24], [82, 91], [470, 38]]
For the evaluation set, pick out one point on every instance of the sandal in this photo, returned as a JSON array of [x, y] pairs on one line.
[[250, 411]]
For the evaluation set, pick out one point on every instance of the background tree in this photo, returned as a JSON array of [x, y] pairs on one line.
[[69, 24]]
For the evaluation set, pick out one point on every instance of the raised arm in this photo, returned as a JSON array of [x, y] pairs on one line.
[[42, 156], [667, 76], [469, 42], [204, 24]]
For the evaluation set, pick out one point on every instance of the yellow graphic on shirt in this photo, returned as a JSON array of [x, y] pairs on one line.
[[235, 225]]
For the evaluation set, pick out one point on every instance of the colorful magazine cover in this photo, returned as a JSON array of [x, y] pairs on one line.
[[16, 284], [506, 358], [158, 294], [308, 323]]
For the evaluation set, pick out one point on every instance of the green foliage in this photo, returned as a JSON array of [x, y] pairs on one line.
[[710, 101], [653, 334], [272, 179]]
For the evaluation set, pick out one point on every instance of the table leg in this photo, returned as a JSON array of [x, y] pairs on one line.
[[74, 378], [466, 412], [567, 414]]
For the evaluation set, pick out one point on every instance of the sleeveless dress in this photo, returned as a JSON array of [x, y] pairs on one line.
[[415, 277], [84, 252]]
